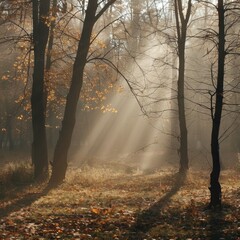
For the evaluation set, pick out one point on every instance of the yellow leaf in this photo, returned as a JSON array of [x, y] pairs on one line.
[[95, 210]]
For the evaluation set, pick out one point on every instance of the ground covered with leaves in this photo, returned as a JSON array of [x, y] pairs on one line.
[[101, 203]]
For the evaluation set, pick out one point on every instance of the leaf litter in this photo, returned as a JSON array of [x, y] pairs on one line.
[[103, 204]]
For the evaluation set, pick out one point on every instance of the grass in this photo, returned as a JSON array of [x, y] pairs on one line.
[[101, 203], [14, 174]]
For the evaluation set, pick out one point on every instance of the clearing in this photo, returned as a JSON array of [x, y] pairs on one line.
[[100, 203]]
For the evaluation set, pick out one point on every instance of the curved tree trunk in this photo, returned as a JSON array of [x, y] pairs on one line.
[[59, 165], [61, 150]]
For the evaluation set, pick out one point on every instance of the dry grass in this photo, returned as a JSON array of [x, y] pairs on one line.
[[14, 174], [101, 203]]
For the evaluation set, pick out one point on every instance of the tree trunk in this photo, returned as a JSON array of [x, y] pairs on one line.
[[61, 150], [9, 132], [49, 131], [38, 103], [183, 151], [215, 187], [181, 25], [51, 36]]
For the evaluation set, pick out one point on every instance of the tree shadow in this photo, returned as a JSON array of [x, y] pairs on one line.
[[218, 225], [22, 199], [149, 217], [223, 222]]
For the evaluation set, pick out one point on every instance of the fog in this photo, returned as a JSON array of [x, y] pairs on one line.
[[119, 119], [143, 132], [137, 126], [128, 135]]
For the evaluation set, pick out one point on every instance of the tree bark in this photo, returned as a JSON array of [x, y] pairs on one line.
[[181, 110], [215, 187], [181, 25], [51, 36], [38, 103], [59, 165], [61, 150]]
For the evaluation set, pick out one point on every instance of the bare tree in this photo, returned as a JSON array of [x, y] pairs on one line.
[[226, 45], [215, 187], [223, 45], [181, 27], [160, 21]]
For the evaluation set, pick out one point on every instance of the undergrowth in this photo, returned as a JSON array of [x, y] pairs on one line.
[[14, 174]]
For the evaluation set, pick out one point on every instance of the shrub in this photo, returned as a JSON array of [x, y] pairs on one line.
[[15, 174]]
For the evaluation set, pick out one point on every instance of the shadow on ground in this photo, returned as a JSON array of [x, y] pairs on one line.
[[191, 221], [151, 216], [21, 199]]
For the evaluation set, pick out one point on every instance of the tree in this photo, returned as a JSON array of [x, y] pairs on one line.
[[14, 41], [215, 187], [59, 165], [162, 24], [40, 11], [181, 27], [224, 47], [217, 108]]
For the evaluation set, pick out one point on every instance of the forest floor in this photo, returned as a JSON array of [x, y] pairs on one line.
[[100, 203]]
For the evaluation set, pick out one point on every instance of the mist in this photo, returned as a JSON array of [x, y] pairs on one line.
[[119, 119], [142, 131]]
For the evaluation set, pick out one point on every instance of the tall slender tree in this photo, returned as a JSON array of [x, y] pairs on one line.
[[65, 135], [215, 187], [40, 12], [224, 44], [181, 27]]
